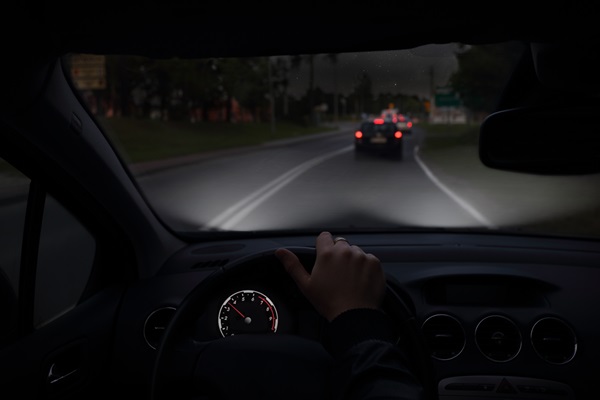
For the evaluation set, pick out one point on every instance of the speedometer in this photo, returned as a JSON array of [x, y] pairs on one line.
[[247, 311]]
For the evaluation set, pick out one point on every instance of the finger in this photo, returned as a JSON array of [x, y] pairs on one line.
[[294, 267], [324, 240], [357, 249]]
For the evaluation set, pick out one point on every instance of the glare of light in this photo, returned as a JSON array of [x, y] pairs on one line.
[[506, 199]]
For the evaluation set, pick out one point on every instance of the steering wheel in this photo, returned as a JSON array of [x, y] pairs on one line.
[[261, 365]]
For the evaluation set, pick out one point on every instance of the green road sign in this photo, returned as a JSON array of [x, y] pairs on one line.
[[447, 99]]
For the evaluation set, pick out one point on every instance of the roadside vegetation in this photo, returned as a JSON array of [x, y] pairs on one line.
[[443, 136], [147, 140], [141, 140]]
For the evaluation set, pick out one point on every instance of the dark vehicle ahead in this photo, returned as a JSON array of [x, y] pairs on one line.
[[379, 136]]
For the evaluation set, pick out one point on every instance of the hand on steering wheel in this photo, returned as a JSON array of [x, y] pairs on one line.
[[343, 277], [272, 366]]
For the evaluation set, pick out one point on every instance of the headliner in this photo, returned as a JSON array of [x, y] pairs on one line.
[[170, 29]]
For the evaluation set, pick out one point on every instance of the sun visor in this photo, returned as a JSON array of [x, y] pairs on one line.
[[568, 66], [555, 140]]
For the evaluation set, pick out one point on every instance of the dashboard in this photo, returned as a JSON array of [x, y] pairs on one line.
[[510, 316]]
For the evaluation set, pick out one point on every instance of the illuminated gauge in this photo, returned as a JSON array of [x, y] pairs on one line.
[[247, 311]]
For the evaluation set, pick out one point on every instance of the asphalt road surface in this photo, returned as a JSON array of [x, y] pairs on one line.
[[322, 183]]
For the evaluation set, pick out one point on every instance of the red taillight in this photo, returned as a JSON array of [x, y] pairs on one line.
[[409, 124], [398, 134], [358, 134], [378, 121]]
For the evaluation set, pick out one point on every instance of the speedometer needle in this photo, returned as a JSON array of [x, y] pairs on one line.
[[236, 310]]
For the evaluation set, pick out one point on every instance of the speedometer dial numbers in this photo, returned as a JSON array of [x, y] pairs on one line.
[[247, 311]]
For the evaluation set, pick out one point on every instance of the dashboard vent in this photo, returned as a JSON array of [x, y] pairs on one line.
[[553, 340], [444, 336], [156, 324], [498, 338], [211, 263], [221, 248]]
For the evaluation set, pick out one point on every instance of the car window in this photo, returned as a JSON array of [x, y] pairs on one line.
[[14, 187], [383, 128], [65, 261]]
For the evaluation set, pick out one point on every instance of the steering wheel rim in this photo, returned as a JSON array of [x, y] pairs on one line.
[[184, 365]]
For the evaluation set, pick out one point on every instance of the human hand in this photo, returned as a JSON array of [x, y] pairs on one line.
[[344, 277]]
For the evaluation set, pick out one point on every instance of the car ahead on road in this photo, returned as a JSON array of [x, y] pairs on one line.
[[153, 159], [379, 136], [403, 122]]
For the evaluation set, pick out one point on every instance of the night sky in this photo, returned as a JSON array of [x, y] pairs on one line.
[[409, 72]]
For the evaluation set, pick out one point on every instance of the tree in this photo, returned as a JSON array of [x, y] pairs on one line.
[[195, 86], [296, 62], [482, 73], [333, 58], [363, 93], [245, 79], [280, 80]]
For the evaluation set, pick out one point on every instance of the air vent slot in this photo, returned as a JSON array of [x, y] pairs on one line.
[[498, 338], [156, 324], [211, 263], [221, 248], [553, 340], [444, 336]]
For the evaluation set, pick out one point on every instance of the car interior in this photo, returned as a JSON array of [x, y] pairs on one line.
[[117, 269]]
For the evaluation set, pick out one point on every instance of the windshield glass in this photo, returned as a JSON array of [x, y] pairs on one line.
[[274, 143]]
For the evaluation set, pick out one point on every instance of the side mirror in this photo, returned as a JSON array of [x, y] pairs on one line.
[[552, 140]]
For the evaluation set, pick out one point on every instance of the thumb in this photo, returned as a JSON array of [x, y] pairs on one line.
[[294, 267]]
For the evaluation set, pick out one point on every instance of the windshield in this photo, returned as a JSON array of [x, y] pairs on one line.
[[272, 143]]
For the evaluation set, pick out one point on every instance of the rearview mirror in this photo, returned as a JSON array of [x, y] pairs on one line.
[[555, 140]]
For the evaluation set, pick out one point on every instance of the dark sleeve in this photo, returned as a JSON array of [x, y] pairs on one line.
[[368, 364]]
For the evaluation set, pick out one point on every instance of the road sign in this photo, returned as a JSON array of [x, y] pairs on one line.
[[89, 71], [447, 98]]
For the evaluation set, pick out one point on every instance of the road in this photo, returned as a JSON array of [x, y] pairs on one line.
[[321, 183], [308, 184]]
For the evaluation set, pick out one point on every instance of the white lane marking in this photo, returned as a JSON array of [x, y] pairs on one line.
[[234, 214], [462, 203]]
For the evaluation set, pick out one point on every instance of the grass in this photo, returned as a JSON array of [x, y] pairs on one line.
[[443, 136], [147, 140], [142, 140]]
